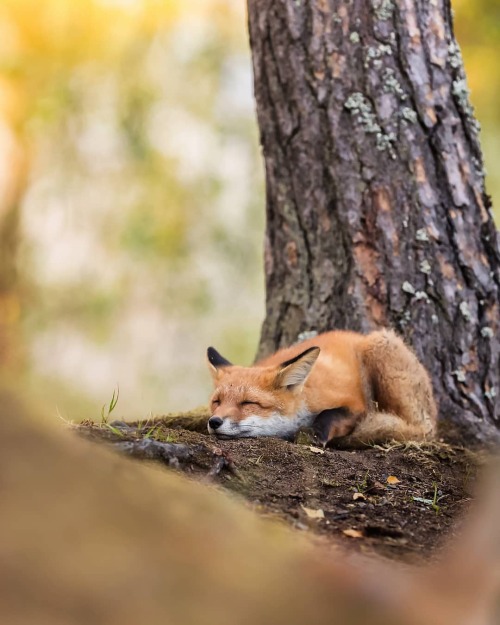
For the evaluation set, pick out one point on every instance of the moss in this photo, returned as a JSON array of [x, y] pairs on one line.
[[164, 437]]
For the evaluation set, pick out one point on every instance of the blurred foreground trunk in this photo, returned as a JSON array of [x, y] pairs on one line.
[[376, 210], [91, 537], [12, 182]]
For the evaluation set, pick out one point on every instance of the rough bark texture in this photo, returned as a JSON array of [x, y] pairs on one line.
[[376, 209]]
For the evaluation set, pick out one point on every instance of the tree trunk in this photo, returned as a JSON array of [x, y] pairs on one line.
[[376, 209]]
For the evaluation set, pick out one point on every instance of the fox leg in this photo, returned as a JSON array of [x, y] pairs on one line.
[[334, 423]]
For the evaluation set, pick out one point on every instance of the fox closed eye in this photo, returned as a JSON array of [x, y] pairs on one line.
[[250, 403]]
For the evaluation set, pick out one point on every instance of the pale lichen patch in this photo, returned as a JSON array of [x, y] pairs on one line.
[[464, 309], [454, 55], [374, 55], [421, 235], [384, 9], [362, 110], [307, 334], [408, 115], [392, 84], [425, 266], [419, 295], [461, 92], [491, 394], [487, 332], [459, 374], [407, 287]]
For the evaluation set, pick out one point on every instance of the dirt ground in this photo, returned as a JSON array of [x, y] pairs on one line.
[[399, 501]]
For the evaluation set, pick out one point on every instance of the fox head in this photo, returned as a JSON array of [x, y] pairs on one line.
[[259, 401]]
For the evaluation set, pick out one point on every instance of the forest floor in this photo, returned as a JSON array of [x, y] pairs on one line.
[[399, 501]]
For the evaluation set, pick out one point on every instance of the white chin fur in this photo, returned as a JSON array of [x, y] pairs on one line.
[[254, 425]]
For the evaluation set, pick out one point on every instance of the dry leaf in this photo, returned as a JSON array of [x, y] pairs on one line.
[[392, 479], [316, 450], [314, 514], [352, 533], [358, 496]]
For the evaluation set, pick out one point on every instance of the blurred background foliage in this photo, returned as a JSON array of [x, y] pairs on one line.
[[131, 193]]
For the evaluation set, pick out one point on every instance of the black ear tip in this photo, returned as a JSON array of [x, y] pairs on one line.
[[215, 359], [211, 354], [315, 350]]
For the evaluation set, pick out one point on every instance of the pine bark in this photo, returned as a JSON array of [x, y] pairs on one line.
[[377, 214]]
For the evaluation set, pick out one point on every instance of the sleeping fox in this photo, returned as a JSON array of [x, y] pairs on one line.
[[352, 389]]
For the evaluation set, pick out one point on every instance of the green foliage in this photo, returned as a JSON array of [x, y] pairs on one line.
[[106, 410]]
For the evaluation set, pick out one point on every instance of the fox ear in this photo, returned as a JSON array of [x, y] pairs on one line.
[[294, 372], [216, 361]]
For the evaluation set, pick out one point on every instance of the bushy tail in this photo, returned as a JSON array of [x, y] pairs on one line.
[[380, 427], [403, 405]]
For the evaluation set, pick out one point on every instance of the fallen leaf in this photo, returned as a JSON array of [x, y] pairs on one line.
[[314, 514], [358, 496], [376, 488], [392, 479], [316, 450], [352, 533]]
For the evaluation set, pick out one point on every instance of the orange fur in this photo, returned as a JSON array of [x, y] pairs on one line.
[[377, 381]]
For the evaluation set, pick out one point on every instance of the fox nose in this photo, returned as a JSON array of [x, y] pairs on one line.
[[215, 422]]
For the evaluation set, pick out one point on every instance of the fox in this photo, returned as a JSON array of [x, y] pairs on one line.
[[352, 389]]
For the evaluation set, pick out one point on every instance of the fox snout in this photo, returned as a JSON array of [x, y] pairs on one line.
[[214, 423], [225, 427]]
